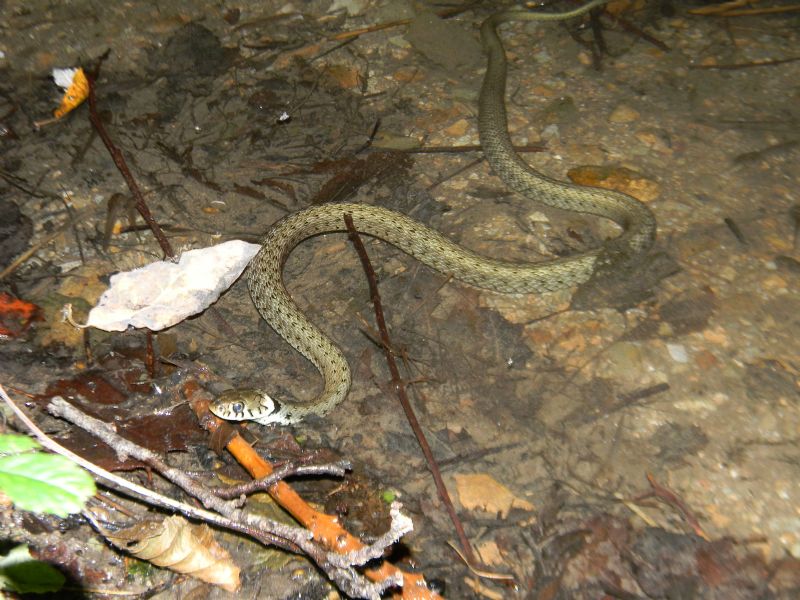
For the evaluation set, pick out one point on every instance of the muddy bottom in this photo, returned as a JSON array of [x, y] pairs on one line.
[[585, 435]]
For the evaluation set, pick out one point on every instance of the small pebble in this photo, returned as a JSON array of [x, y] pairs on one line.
[[624, 114], [678, 353]]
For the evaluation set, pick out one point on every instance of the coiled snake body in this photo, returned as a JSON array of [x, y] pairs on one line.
[[431, 248]]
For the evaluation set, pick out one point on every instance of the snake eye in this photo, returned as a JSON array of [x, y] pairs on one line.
[[237, 408]]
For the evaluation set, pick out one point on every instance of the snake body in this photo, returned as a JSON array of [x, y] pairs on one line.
[[431, 248]]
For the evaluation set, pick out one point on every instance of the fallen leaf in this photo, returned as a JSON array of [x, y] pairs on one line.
[[176, 544], [76, 88], [482, 492]]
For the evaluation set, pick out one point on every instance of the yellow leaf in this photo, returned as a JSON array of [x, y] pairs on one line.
[[76, 93]]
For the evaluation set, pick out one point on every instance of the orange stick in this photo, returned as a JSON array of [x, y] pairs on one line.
[[325, 528]]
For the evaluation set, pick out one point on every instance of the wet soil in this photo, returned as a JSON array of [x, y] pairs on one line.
[[234, 115]]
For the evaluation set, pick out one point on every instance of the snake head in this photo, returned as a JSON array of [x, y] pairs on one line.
[[249, 405]]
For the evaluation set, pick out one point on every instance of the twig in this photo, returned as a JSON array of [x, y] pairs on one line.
[[671, 498], [794, 213], [771, 10], [450, 12], [122, 165], [30, 252], [643, 393], [371, 138], [72, 221], [730, 9], [748, 65], [228, 515], [400, 389], [468, 148], [737, 233], [338, 469], [457, 172], [631, 28], [325, 529], [150, 354]]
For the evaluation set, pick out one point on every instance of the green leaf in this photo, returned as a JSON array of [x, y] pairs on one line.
[[45, 483], [19, 572], [15, 444]]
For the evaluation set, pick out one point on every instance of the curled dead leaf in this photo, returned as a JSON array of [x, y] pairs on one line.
[[176, 544]]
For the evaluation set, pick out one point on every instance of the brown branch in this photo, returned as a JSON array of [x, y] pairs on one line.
[[337, 469], [337, 565], [631, 28], [400, 389], [122, 165], [468, 148], [748, 65], [455, 173], [730, 9], [325, 529], [345, 35], [671, 498]]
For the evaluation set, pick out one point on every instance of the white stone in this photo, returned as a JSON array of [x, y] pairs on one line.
[[164, 293]]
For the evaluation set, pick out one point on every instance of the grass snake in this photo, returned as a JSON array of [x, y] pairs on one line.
[[433, 249]]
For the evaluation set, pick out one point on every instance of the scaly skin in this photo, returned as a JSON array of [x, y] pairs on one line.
[[431, 248]]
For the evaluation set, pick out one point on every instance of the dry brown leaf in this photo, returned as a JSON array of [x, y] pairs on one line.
[[489, 552], [176, 544], [481, 491], [621, 179], [483, 590]]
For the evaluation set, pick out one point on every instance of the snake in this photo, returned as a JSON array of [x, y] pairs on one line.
[[278, 309]]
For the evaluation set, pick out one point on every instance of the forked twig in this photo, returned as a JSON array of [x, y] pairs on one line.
[[122, 165], [400, 389], [324, 529], [337, 563]]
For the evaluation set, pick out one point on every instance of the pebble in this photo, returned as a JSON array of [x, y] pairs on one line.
[[655, 139], [458, 128], [624, 114], [624, 361], [678, 353]]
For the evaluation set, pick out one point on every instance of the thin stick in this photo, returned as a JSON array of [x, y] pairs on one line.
[[389, 24], [30, 252], [337, 566], [122, 165], [748, 65], [671, 498], [120, 483], [400, 389], [279, 474]]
